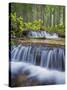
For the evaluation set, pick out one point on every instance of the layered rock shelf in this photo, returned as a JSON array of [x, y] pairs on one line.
[[48, 42]]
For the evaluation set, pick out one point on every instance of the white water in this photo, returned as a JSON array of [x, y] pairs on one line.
[[42, 34], [43, 75], [52, 58], [44, 64]]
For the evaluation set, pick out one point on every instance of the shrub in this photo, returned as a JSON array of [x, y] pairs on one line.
[[17, 24], [37, 24], [28, 25], [20, 25]]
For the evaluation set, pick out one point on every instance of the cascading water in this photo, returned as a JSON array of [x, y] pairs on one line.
[[40, 63], [42, 34], [52, 58]]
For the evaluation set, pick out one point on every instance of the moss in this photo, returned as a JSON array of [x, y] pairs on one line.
[[57, 29], [13, 42]]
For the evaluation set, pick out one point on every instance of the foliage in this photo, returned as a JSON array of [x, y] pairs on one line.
[[12, 42], [57, 28], [28, 25], [13, 23], [36, 24], [36, 17], [16, 24], [20, 25]]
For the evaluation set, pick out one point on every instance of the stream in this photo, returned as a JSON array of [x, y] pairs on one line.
[[42, 64]]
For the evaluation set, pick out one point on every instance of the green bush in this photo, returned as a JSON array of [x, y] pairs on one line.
[[37, 24], [17, 24], [13, 23], [34, 25], [28, 25], [20, 25]]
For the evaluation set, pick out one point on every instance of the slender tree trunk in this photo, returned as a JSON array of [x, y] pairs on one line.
[[64, 16]]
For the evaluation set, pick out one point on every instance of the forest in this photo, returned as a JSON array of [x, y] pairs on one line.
[[50, 18]]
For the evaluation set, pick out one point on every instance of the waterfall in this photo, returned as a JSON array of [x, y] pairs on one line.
[[48, 57], [42, 34], [43, 75]]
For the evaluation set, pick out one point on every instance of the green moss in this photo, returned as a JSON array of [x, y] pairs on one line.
[[57, 28], [13, 42]]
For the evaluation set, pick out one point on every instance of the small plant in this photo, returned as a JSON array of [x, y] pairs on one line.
[[17, 24], [28, 25], [37, 24], [13, 23], [34, 25], [20, 25]]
